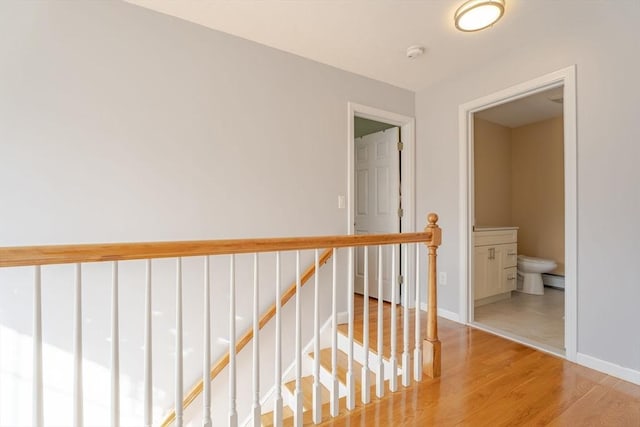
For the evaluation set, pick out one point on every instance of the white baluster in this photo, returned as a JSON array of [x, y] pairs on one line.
[[351, 385], [417, 352], [393, 378], [257, 410], [380, 377], [178, 372], [335, 390], [297, 415], [233, 413], [406, 359], [148, 368], [366, 388], [78, 419], [115, 349], [277, 405], [38, 407], [317, 397], [206, 360]]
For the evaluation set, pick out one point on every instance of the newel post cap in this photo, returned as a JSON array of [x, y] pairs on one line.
[[434, 229]]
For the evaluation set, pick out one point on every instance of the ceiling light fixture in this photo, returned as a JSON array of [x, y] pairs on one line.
[[475, 15]]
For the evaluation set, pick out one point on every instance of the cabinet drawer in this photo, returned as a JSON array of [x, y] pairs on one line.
[[484, 238], [509, 254], [510, 278]]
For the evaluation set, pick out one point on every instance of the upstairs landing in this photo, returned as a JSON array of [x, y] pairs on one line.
[[490, 381]]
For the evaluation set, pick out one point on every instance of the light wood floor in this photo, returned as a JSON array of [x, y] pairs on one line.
[[538, 318], [489, 381]]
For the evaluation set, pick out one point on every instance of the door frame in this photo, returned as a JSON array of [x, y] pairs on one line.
[[407, 173], [565, 77]]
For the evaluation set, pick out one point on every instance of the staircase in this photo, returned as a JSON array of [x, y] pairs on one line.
[[342, 367], [307, 390]]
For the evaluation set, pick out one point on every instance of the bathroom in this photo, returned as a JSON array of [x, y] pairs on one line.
[[518, 238]]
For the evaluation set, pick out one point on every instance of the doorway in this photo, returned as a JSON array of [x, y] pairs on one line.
[[562, 82], [380, 189], [518, 231]]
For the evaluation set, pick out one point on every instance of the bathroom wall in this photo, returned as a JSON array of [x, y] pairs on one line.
[[519, 180], [537, 195], [492, 163]]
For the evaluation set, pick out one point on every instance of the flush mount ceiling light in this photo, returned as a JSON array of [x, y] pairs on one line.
[[475, 15]]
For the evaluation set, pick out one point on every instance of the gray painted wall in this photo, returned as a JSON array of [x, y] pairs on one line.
[[122, 124], [603, 42]]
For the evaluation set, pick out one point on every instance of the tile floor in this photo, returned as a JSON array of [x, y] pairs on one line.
[[537, 318]]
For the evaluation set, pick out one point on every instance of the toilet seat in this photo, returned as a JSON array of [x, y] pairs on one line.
[[533, 260]]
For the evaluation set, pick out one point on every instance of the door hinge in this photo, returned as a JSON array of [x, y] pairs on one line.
[[401, 279], [400, 212], [400, 145]]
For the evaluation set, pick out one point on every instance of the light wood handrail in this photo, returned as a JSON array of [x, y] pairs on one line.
[[246, 338], [66, 254]]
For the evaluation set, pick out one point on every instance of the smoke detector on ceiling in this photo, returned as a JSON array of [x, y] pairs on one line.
[[415, 51]]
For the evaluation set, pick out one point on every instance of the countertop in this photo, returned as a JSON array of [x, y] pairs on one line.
[[493, 228]]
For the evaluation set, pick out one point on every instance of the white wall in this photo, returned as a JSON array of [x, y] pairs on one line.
[[603, 41], [122, 124]]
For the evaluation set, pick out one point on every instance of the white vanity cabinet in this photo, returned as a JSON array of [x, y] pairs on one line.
[[495, 255]]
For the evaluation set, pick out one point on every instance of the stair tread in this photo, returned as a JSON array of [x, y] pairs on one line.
[[306, 384], [342, 406], [342, 368], [287, 417], [266, 419], [342, 359], [343, 329]]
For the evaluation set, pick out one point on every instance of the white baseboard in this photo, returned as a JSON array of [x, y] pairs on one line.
[[609, 368], [449, 315]]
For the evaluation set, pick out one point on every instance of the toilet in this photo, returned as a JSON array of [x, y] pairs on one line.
[[530, 271]]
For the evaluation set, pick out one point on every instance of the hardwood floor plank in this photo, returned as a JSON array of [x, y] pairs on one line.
[[490, 381]]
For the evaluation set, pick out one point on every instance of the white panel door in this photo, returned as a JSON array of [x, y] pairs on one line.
[[377, 200]]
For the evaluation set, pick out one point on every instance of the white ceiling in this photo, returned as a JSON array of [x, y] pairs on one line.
[[370, 37], [530, 109]]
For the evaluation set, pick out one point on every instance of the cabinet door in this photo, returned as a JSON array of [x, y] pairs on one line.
[[487, 272], [509, 279], [480, 264], [507, 257], [508, 254]]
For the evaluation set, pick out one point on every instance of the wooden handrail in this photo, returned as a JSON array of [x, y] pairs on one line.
[[67, 254], [246, 338]]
